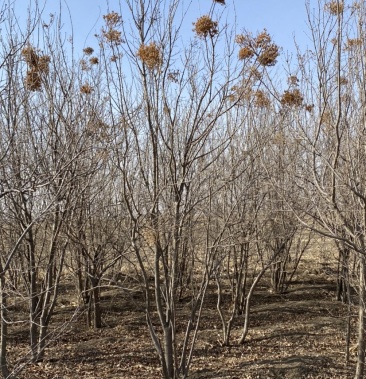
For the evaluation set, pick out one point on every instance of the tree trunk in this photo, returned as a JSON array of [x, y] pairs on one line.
[[342, 279], [97, 316], [168, 348], [4, 329], [34, 300], [360, 368], [247, 304]]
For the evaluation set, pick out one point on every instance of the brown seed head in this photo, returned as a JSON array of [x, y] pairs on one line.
[[86, 89], [309, 107], [88, 51], [94, 60], [255, 73], [260, 46], [173, 76], [112, 19], [268, 57], [335, 7], [84, 65], [30, 56], [150, 55], [113, 36], [261, 100], [33, 80], [292, 98], [353, 42], [241, 39], [245, 53], [205, 26], [293, 80], [44, 64], [263, 39]]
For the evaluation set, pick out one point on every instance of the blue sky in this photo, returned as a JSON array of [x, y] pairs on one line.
[[283, 19]]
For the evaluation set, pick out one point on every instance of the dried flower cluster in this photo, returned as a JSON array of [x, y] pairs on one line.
[[353, 42], [261, 100], [37, 65], [111, 34], [86, 89], [173, 76], [335, 7], [112, 19], [30, 56], [293, 80], [88, 51], [150, 55], [33, 80], [255, 73], [309, 107], [263, 39], [356, 6], [44, 64], [94, 60], [245, 53], [260, 46], [84, 65], [205, 26], [222, 2], [292, 98], [269, 56]]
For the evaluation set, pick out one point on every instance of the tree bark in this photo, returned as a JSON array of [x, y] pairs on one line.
[[360, 367], [4, 328], [247, 305]]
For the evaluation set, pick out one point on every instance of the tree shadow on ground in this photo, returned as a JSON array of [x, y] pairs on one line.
[[292, 367], [277, 335]]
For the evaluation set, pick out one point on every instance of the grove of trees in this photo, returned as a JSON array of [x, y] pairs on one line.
[[176, 162]]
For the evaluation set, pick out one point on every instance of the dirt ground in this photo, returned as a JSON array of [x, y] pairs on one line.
[[300, 334]]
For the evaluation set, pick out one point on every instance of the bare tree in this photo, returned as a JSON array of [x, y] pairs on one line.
[[167, 135], [332, 132]]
